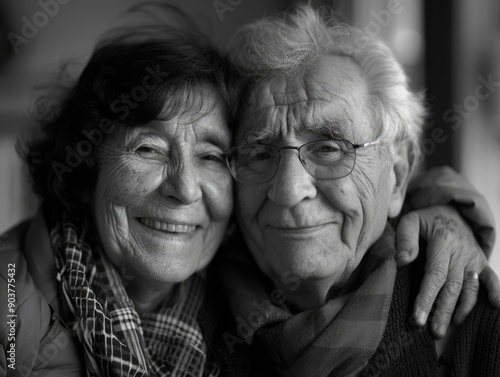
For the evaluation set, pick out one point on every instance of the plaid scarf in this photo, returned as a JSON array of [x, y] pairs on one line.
[[116, 341], [336, 339]]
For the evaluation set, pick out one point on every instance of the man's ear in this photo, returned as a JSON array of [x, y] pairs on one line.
[[403, 161]]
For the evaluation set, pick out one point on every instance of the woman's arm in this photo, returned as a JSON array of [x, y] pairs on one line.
[[455, 220]]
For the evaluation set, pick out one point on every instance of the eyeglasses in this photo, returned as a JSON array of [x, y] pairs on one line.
[[323, 159]]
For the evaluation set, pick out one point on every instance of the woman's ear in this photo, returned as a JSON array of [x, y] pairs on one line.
[[402, 167]]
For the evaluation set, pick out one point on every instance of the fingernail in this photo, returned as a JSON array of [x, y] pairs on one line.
[[421, 317], [441, 330], [403, 255]]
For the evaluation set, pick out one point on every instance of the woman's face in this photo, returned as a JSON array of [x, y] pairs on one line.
[[164, 196]]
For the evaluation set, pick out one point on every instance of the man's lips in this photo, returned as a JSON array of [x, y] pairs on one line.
[[166, 226], [299, 230]]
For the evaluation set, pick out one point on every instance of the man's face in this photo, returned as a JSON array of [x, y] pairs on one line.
[[294, 223]]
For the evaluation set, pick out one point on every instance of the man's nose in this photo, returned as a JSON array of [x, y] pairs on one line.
[[292, 183]]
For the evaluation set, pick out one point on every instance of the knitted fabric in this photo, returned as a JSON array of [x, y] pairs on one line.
[[409, 351]]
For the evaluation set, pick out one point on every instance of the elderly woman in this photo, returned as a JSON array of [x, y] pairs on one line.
[[326, 143], [110, 275], [136, 200]]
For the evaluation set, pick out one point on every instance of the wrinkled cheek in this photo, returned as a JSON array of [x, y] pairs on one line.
[[344, 195], [127, 186], [218, 192], [227, 198], [367, 218]]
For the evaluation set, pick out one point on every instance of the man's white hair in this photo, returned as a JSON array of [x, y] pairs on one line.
[[284, 45]]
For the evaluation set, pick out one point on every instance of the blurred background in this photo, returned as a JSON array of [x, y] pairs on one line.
[[450, 49]]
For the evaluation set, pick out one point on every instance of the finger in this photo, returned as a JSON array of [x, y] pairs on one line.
[[490, 280], [468, 297], [445, 304], [436, 272], [407, 235]]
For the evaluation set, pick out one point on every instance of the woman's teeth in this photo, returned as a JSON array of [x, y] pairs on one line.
[[173, 228]]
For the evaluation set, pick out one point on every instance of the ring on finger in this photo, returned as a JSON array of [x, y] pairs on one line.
[[471, 275]]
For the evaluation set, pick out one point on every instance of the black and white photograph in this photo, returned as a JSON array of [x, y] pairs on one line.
[[249, 188]]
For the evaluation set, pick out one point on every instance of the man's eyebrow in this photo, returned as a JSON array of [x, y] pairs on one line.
[[257, 136], [332, 129]]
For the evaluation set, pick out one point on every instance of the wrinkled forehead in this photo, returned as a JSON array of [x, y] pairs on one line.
[[198, 105], [191, 102], [329, 95], [197, 109]]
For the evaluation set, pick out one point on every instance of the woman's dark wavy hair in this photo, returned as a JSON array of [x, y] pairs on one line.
[[188, 65]]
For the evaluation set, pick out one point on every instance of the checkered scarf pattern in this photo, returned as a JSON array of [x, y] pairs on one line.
[[116, 341]]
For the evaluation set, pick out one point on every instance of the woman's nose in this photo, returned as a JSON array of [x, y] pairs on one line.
[[182, 183], [292, 183]]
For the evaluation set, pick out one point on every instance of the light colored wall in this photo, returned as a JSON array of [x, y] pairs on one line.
[[479, 127]]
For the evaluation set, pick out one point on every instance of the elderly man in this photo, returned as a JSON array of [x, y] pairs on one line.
[[327, 140]]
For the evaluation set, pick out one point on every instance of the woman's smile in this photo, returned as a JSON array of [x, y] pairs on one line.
[[167, 226]]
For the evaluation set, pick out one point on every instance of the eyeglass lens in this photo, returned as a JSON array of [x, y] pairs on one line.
[[325, 159]]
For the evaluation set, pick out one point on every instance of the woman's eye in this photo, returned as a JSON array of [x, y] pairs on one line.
[[213, 157], [147, 151]]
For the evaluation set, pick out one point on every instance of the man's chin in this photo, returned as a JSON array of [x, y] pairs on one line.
[[312, 273]]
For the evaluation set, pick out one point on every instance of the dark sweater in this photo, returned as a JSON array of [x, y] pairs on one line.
[[405, 350]]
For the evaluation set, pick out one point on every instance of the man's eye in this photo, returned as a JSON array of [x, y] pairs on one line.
[[258, 156], [327, 149], [325, 153]]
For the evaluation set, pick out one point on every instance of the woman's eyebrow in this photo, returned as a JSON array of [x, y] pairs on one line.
[[218, 137]]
